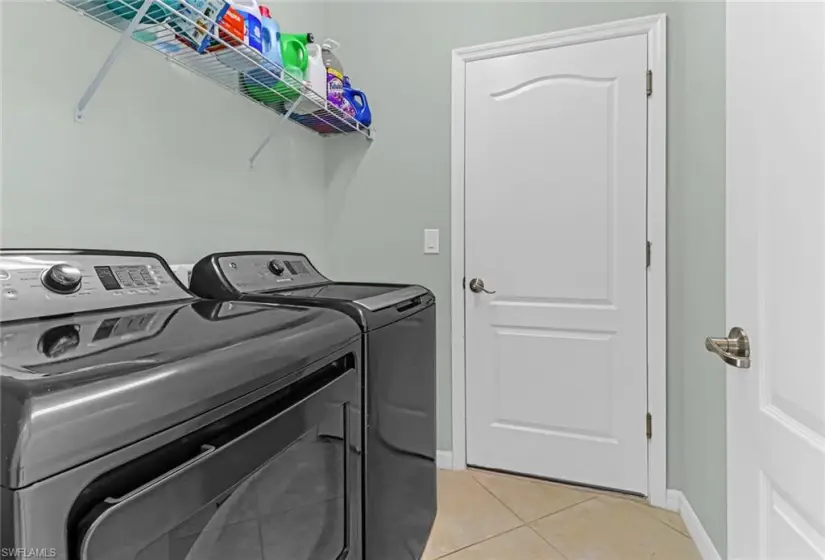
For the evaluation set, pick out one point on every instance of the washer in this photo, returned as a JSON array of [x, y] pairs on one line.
[[398, 324], [140, 422]]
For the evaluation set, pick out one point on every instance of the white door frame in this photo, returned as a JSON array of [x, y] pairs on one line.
[[655, 29]]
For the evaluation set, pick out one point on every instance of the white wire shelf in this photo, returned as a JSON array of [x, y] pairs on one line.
[[158, 24]]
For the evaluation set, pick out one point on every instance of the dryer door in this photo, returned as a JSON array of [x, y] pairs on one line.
[[267, 482]]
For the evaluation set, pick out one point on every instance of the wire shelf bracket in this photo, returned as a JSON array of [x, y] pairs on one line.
[[272, 133], [125, 37]]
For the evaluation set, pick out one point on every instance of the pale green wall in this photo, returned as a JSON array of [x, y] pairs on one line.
[[160, 162], [155, 166], [697, 273], [399, 53]]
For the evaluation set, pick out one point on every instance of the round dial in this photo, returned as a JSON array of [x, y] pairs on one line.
[[62, 278], [276, 267]]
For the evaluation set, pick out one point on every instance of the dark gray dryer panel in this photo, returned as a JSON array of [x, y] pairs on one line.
[[74, 388]]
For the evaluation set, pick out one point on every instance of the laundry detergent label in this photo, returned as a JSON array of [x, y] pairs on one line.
[[335, 88], [253, 33], [231, 31]]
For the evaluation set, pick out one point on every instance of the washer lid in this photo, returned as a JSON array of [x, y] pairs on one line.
[[78, 387], [373, 297], [347, 292]]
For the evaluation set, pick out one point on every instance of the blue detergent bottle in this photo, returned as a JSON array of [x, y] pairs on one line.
[[257, 82], [358, 100], [271, 38]]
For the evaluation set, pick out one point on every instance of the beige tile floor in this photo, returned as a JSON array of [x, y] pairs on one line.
[[490, 516]]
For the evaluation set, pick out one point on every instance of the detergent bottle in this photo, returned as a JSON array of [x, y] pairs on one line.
[[250, 13], [335, 74], [271, 40], [288, 85], [316, 73], [294, 50], [315, 78], [357, 101], [257, 82]]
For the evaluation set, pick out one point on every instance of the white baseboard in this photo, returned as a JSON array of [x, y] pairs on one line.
[[677, 501], [674, 500], [444, 460]]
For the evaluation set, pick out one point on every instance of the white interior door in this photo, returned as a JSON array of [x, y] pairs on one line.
[[555, 218], [776, 279]]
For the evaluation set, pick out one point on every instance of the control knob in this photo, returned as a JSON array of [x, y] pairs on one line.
[[276, 267], [62, 278]]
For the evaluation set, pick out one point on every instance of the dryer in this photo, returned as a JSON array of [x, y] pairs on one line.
[[140, 422], [398, 326]]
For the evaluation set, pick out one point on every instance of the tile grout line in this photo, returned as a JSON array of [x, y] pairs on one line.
[[545, 539], [565, 508], [595, 495], [523, 524], [643, 505], [499, 500], [528, 524], [668, 525], [551, 545], [457, 550], [554, 483]]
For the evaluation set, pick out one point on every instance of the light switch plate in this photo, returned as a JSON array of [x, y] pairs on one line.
[[431, 241]]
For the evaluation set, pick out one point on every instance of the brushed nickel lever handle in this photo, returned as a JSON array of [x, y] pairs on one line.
[[735, 350], [477, 286]]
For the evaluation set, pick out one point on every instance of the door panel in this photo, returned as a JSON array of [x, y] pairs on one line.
[[775, 279], [583, 360], [556, 225]]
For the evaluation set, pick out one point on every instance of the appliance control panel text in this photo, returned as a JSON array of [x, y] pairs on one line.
[[47, 284], [269, 271]]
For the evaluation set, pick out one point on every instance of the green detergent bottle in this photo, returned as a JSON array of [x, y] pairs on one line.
[[295, 59], [294, 49]]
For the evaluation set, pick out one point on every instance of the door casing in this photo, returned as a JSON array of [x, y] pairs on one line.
[[654, 27]]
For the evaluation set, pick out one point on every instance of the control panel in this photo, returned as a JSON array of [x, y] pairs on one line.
[[269, 271], [43, 284]]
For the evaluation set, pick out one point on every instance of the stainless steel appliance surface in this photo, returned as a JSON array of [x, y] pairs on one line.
[[140, 422], [398, 325]]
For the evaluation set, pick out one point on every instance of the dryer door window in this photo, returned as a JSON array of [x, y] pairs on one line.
[[293, 508], [280, 482]]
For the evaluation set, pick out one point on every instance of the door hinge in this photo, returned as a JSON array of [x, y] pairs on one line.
[[649, 83], [648, 249], [649, 426]]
